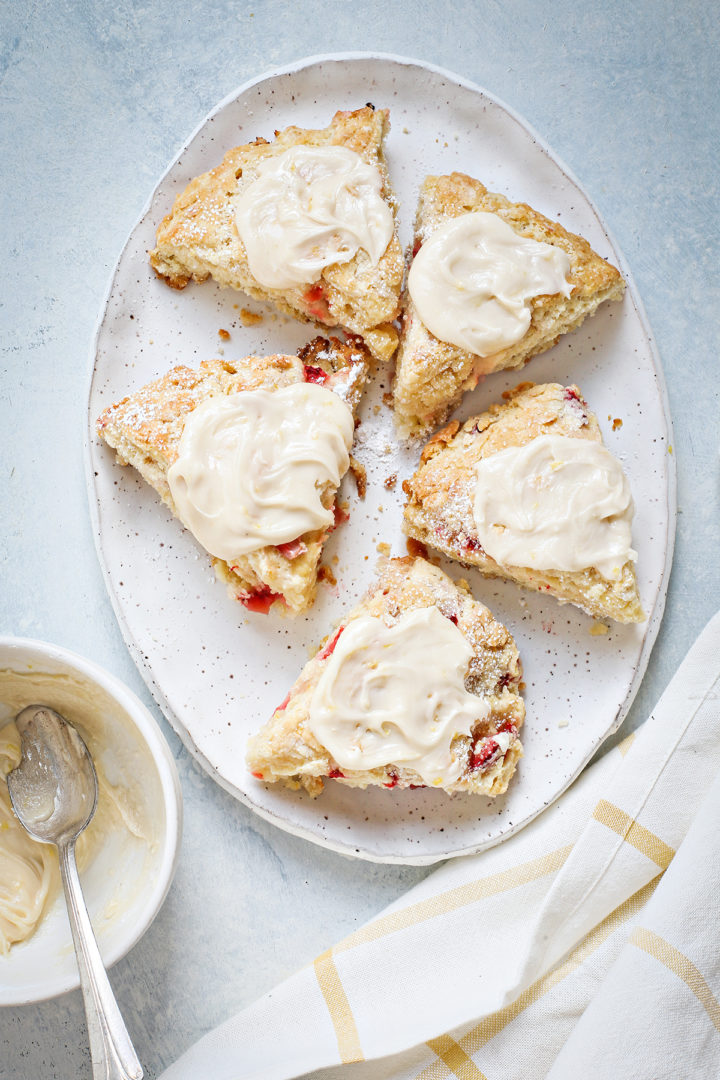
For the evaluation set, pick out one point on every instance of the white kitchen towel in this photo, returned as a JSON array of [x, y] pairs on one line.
[[561, 953]]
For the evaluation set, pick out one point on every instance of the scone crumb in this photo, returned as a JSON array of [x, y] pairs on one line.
[[383, 549], [250, 318], [390, 481], [617, 423], [224, 335], [598, 629], [564, 722], [325, 574], [360, 474]]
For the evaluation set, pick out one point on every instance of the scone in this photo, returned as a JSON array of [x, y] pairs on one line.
[[249, 454], [491, 284], [527, 491], [418, 686], [317, 218]]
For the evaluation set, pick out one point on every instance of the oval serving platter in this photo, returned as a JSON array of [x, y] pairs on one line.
[[217, 670]]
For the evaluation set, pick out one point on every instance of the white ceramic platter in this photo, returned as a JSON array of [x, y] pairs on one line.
[[218, 671]]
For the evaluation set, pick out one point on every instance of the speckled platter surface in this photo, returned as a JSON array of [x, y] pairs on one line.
[[217, 670]]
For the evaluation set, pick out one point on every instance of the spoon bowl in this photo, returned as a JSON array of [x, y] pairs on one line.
[[54, 789]]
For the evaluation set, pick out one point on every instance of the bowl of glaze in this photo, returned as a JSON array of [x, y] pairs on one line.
[[129, 851]]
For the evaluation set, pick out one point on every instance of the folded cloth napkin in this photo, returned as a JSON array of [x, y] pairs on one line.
[[582, 947]]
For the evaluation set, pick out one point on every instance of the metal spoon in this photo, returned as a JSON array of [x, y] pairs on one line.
[[53, 792]]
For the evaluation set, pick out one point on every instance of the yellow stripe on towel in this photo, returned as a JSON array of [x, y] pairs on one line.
[[338, 1006], [459, 897], [454, 1057], [680, 965], [650, 845]]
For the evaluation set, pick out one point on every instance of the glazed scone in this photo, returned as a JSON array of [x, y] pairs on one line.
[[146, 430], [200, 237], [365, 694], [433, 374], [441, 507]]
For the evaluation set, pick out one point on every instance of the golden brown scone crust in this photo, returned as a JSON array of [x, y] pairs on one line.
[[145, 430], [431, 375], [286, 750], [199, 239], [439, 507]]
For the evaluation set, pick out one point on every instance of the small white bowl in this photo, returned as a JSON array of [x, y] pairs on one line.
[[130, 870]]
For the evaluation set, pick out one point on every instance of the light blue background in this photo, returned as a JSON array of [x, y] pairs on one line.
[[95, 99]]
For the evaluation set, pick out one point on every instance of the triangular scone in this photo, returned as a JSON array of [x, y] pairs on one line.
[[440, 495], [431, 375], [199, 238], [145, 429], [484, 756]]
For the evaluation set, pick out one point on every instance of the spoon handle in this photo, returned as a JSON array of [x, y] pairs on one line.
[[112, 1052]]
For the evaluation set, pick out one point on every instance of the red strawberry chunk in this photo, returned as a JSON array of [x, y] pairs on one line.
[[483, 753], [331, 644], [292, 549], [283, 704], [315, 303], [572, 395], [315, 374], [340, 515], [260, 600]]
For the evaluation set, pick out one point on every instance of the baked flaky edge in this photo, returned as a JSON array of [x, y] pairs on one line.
[[439, 506], [145, 429], [431, 376], [199, 239], [285, 749]]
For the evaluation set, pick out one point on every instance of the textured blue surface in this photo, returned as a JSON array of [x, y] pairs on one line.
[[95, 99]]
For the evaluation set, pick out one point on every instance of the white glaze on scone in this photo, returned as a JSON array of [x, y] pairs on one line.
[[308, 208]]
